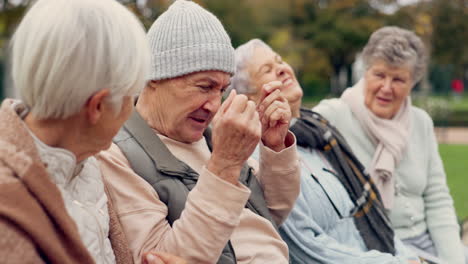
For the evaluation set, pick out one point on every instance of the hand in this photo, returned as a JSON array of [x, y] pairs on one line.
[[416, 261], [162, 258], [275, 114], [236, 133]]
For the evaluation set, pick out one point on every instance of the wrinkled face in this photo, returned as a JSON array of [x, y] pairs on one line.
[[186, 105], [266, 66], [386, 88]]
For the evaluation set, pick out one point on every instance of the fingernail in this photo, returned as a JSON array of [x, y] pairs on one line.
[[150, 258]]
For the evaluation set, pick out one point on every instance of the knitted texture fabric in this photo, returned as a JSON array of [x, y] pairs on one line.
[[186, 39]]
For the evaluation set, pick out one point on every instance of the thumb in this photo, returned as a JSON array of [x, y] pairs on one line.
[[153, 259], [170, 259]]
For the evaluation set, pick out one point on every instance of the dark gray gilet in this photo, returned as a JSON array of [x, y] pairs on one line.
[[173, 179]]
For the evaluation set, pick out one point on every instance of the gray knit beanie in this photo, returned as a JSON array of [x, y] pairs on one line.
[[186, 39]]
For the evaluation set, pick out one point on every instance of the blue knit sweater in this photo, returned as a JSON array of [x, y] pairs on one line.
[[315, 233]]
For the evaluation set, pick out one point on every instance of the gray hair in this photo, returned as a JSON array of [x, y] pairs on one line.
[[242, 55], [396, 46], [64, 51]]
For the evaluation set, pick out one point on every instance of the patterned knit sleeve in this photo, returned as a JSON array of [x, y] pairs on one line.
[[440, 212]]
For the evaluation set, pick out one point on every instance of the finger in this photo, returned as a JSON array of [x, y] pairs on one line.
[[257, 123], [228, 101], [273, 107], [239, 103], [278, 117], [267, 101], [256, 119], [152, 259], [170, 259], [269, 88], [250, 110], [224, 106]]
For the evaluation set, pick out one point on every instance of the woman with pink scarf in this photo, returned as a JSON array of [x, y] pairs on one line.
[[396, 143]]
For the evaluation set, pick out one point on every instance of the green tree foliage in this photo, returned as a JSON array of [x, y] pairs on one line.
[[320, 38], [450, 41]]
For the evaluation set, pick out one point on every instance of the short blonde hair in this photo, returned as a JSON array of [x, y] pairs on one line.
[[64, 51]]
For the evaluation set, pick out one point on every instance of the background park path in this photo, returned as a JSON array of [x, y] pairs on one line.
[[452, 135]]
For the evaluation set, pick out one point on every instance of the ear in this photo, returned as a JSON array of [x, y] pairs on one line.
[[152, 84], [94, 106]]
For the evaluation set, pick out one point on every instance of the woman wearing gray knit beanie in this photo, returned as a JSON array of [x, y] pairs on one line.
[[190, 190]]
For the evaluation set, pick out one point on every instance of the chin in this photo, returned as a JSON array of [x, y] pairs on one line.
[[194, 137]]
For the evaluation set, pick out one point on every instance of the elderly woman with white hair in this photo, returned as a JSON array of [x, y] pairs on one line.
[[338, 216], [396, 143], [77, 65]]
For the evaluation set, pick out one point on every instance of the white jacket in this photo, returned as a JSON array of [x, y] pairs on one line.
[[82, 190]]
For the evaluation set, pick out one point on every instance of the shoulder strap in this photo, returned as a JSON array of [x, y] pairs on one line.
[[142, 148]]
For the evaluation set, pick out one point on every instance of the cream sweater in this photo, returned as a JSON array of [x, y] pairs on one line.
[[422, 199], [214, 212]]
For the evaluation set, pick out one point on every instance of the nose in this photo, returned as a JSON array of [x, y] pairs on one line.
[[387, 85], [213, 103], [280, 70]]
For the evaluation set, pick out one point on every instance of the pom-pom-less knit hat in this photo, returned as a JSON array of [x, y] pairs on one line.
[[186, 39]]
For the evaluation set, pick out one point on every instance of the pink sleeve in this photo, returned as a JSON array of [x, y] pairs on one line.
[[211, 213], [279, 175]]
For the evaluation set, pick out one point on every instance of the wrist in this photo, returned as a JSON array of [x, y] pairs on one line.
[[227, 171], [277, 148]]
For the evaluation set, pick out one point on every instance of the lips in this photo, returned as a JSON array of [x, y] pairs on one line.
[[383, 100], [200, 117], [288, 82], [199, 120]]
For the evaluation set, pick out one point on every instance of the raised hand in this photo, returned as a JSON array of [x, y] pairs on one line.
[[275, 114], [236, 133]]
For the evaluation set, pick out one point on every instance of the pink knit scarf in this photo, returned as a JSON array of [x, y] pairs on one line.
[[390, 135]]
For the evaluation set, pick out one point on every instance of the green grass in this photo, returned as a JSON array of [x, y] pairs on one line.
[[455, 158]]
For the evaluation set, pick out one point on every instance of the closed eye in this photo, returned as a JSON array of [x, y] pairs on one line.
[[380, 75], [266, 69], [204, 87], [400, 80]]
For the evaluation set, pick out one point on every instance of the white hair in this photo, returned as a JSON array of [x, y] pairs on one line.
[[397, 47], [64, 51], [243, 54]]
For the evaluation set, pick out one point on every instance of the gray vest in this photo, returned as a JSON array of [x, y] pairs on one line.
[[173, 179]]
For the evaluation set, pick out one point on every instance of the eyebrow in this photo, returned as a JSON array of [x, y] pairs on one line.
[[211, 81], [206, 79]]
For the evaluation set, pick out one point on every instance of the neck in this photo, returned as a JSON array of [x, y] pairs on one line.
[[295, 113], [57, 133], [295, 110]]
